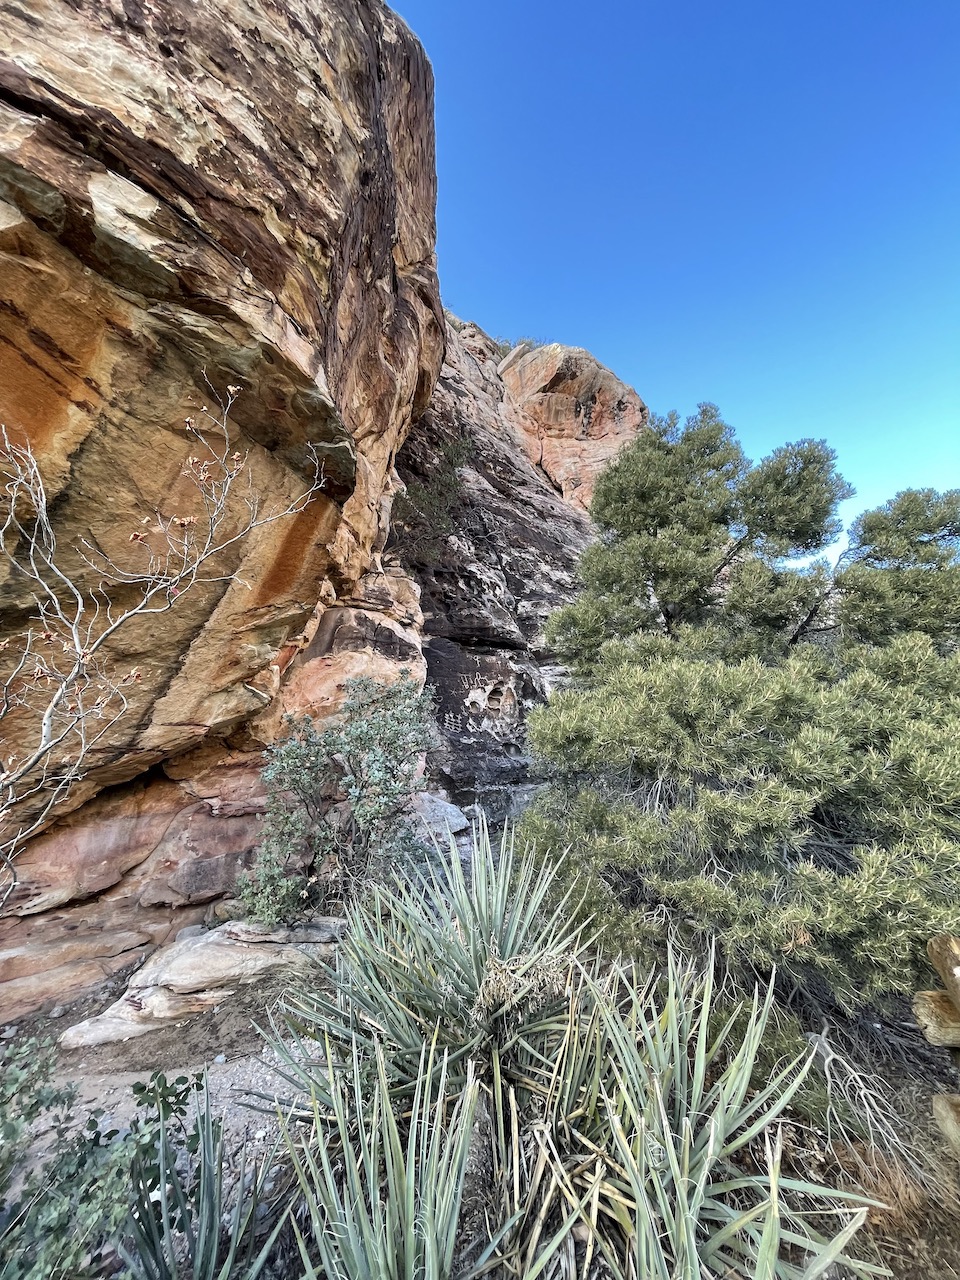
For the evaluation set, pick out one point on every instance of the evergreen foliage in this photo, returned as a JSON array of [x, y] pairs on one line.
[[338, 801], [762, 750]]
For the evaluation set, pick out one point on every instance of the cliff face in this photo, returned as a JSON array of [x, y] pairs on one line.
[[498, 473], [195, 196]]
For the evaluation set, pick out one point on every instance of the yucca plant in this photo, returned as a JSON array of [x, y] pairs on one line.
[[186, 1228], [382, 1190], [618, 1128], [683, 1126], [647, 1156], [479, 966]]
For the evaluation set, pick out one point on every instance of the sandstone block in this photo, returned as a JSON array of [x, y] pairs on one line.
[[939, 1018]]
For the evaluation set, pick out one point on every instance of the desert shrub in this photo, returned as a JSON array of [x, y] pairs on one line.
[[424, 514], [801, 813], [761, 751], [338, 801], [152, 1202], [60, 1212], [595, 1122]]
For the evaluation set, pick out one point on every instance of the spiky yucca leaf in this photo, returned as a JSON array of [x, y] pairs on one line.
[[189, 1230], [480, 966], [382, 1192], [624, 1132], [667, 1106]]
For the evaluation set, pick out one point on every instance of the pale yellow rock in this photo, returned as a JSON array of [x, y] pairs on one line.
[[944, 953], [938, 1017], [203, 970], [946, 1112]]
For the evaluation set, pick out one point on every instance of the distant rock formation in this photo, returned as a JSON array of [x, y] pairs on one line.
[[492, 535], [573, 414], [194, 195]]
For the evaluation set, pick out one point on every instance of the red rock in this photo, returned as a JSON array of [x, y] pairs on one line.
[[210, 194], [573, 414]]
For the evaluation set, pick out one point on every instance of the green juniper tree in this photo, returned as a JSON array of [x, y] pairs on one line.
[[761, 749]]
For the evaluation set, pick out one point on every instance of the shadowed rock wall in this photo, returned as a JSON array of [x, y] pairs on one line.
[[491, 527]]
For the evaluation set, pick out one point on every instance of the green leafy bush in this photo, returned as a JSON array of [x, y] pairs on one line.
[[338, 801], [59, 1213], [152, 1202]]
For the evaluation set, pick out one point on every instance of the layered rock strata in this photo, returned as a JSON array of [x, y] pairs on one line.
[[196, 195], [491, 526]]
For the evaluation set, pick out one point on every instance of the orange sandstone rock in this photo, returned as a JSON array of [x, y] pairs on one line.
[[196, 194]]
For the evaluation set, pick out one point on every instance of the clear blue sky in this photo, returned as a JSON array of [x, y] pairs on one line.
[[755, 202]]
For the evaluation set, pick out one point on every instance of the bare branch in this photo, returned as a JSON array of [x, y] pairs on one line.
[[61, 685]]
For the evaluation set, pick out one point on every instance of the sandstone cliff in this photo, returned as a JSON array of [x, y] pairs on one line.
[[194, 196], [197, 194], [492, 535]]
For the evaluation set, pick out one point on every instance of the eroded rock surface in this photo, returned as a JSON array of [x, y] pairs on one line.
[[574, 415], [195, 195], [201, 970], [493, 542]]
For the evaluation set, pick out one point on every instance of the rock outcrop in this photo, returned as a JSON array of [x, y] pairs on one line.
[[195, 195], [201, 970], [574, 415], [492, 529]]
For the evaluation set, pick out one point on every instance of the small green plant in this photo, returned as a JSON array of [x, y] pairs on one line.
[[155, 1196], [189, 1219], [506, 345], [339, 801], [58, 1213], [424, 515], [475, 961]]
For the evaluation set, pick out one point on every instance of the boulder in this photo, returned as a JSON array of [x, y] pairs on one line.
[[944, 953], [200, 971]]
